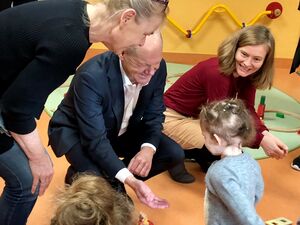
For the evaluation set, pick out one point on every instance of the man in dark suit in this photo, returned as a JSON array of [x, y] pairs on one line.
[[114, 108]]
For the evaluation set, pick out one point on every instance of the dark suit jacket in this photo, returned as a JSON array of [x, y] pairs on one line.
[[92, 110]]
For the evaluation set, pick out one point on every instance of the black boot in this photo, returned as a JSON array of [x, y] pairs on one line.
[[180, 174], [202, 156], [71, 173], [119, 187]]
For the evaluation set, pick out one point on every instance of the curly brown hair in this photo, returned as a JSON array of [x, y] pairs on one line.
[[90, 200]]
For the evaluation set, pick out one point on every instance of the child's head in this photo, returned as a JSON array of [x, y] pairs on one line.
[[228, 121], [90, 200]]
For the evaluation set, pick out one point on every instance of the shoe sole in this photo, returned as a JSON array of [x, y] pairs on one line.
[[295, 167]]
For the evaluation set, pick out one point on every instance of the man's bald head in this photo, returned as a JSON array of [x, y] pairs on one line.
[[153, 44], [140, 63]]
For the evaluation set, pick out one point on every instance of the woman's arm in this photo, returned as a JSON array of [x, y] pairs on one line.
[[272, 145], [39, 161]]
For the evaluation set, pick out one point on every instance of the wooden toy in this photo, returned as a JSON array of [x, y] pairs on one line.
[[279, 221], [143, 220]]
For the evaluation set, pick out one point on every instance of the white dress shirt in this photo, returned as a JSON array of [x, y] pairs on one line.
[[131, 95]]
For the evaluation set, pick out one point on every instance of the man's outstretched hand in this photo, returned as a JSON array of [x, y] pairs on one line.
[[145, 195]]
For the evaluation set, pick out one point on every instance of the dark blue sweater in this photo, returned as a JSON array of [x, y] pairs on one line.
[[41, 44]]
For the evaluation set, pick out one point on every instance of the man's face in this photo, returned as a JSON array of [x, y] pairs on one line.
[[141, 66]]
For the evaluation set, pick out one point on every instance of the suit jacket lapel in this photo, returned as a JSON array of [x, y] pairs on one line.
[[116, 90]]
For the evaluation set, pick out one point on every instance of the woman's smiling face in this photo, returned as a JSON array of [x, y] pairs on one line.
[[249, 59]]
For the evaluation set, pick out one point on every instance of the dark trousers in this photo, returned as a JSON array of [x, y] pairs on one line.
[[16, 201], [167, 155]]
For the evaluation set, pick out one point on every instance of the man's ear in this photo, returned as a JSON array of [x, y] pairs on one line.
[[121, 55], [219, 140], [127, 15]]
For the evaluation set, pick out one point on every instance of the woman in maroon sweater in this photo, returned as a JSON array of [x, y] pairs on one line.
[[244, 63]]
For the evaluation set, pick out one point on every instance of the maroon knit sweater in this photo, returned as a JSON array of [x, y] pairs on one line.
[[204, 83]]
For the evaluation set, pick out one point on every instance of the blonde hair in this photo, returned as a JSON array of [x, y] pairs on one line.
[[252, 35], [143, 8], [228, 119], [90, 200]]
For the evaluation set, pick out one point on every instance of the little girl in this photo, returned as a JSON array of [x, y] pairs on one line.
[[234, 184]]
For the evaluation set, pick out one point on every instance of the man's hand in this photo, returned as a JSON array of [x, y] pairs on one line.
[[141, 163], [145, 195], [273, 146]]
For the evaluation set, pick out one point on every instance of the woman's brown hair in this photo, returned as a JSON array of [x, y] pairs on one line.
[[252, 35]]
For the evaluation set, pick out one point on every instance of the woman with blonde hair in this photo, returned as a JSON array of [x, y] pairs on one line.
[[90, 200], [41, 44], [245, 62]]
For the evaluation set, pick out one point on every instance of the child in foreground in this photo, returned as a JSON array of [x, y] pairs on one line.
[[234, 184], [90, 200]]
